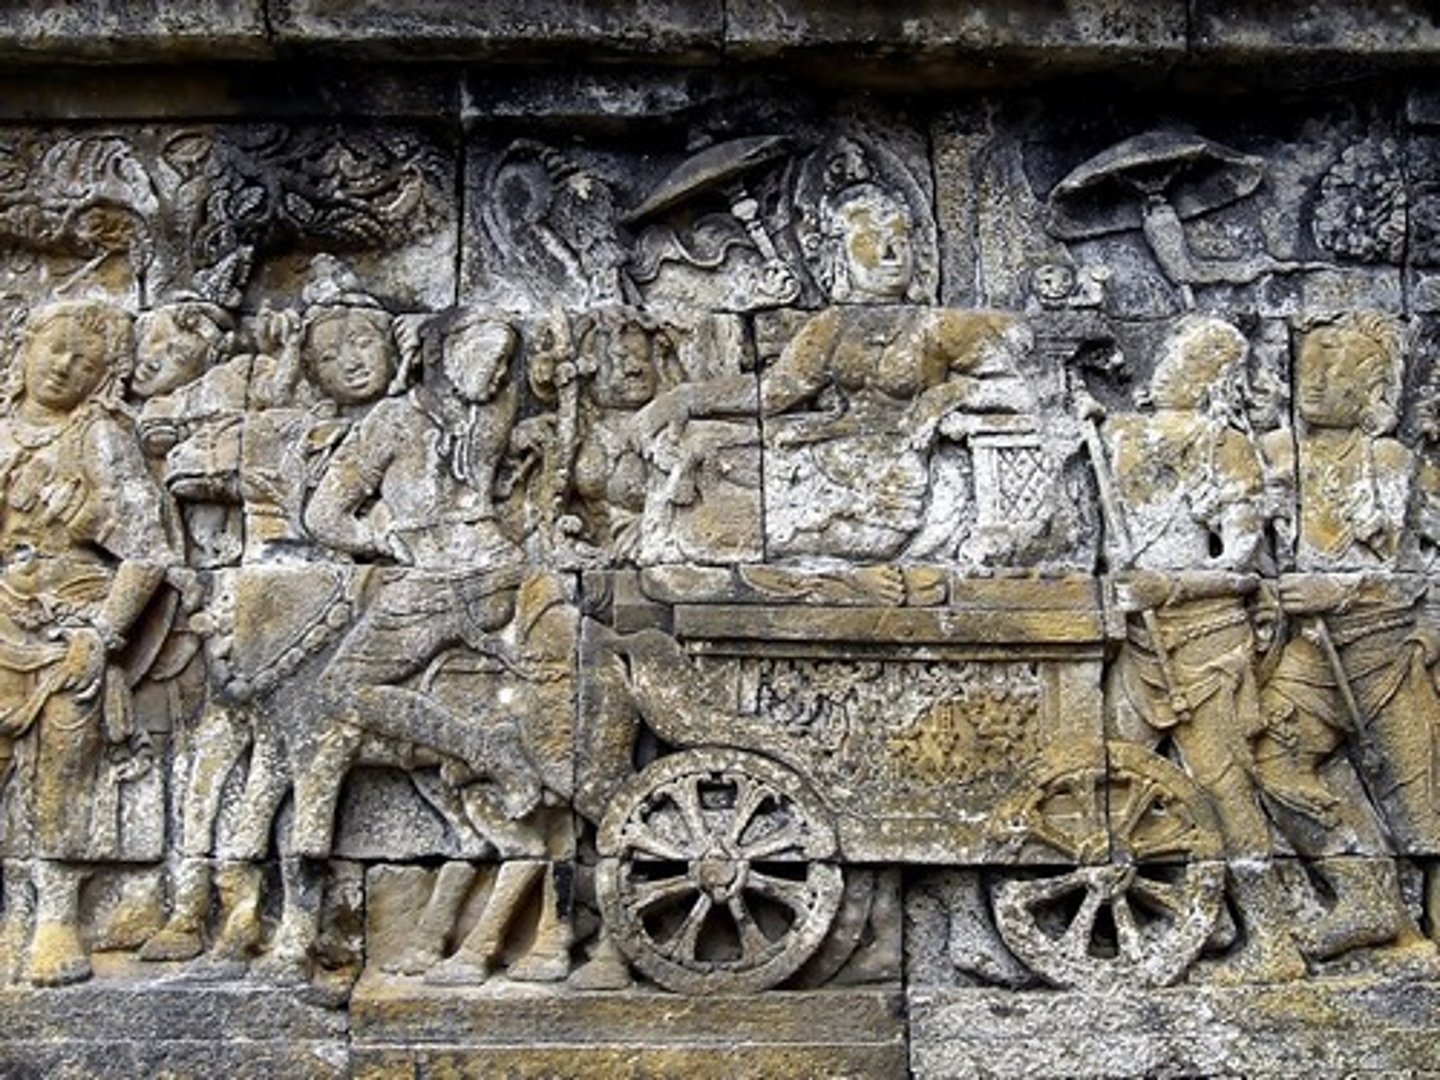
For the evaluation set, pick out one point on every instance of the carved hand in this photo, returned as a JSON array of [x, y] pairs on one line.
[[397, 548], [133, 759], [1300, 595], [1141, 590], [669, 409], [276, 330], [532, 434], [84, 662]]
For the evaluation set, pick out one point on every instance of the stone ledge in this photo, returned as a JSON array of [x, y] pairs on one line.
[[134, 31], [236, 1059], [139, 1019], [403, 1027], [1259, 30], [387, 1010], [676, 30], [1084, 30], [598, 1061], [908, 42], [124, 1009], [1320, 1029]]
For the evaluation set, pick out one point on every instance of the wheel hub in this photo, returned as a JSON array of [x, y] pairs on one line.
[[718, 876]]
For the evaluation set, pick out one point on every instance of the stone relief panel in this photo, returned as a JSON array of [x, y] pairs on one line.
[[709, 563], [705, 218], [225, 214]]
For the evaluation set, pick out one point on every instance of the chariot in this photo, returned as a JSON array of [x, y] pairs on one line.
[[964, 729]]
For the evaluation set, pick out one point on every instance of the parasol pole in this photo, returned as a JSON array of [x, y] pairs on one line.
[[1117, 530]]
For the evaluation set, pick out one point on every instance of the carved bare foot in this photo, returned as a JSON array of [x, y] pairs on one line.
[[285, 965], [1410, 956], [1260, 964], [606, 969], [465, 968], [57, 957], [414, 959], [881, 584], [541, 966], [877, 961], [239, 937], [1342, 932], [173, 941]]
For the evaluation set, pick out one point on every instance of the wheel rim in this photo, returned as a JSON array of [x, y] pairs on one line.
[[714, 874], [1142, 917]]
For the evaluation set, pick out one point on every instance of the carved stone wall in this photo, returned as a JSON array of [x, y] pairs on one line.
[[763, 540]]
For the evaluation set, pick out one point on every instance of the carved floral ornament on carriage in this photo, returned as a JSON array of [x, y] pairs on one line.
[[701, 599]]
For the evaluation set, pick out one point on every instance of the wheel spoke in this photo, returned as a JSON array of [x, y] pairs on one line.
[[1043, 890], [1045, 831], [784, 839], [1136, 806], [753, 942], [685, 793], [1127, 932], [643, 840], [795, 895], [1076, 939], [748, 797], [646, 894], [684, 944], [1095, 811], [1180, 840], [1170, 897]]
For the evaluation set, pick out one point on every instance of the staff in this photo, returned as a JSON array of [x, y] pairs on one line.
[[1119, 534]]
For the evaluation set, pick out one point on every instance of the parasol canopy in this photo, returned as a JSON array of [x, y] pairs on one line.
[[1105, 194], [710, 167]]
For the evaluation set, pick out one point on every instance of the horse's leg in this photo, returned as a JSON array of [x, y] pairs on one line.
[[237, 872], [426, 945], [472, 962], [220, 738], [318, 780], [548, 959]]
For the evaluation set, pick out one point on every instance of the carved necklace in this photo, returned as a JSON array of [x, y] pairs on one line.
[[32, 436]]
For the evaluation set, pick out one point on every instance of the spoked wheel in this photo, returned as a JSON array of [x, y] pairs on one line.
[[1138, 918], [715, 872]]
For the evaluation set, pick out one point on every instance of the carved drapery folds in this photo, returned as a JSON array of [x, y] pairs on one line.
[[688, 564]]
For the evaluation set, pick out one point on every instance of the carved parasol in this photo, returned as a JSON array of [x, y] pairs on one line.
[[717, 165], [1106, 193], [1155, 182], [723, 166]]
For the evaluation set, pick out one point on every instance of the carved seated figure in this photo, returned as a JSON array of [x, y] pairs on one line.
[[86, 539], [853, 407]]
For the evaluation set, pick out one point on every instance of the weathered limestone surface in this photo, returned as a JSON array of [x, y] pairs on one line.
[[1322, 1029], [118, 31]]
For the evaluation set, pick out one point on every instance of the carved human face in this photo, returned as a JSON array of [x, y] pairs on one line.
[[64, 363], [878, 254], [351, 356], [168, 354], [1342, 375], [1197, 357], [1053, 282], [627, 378], [477, 358]]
